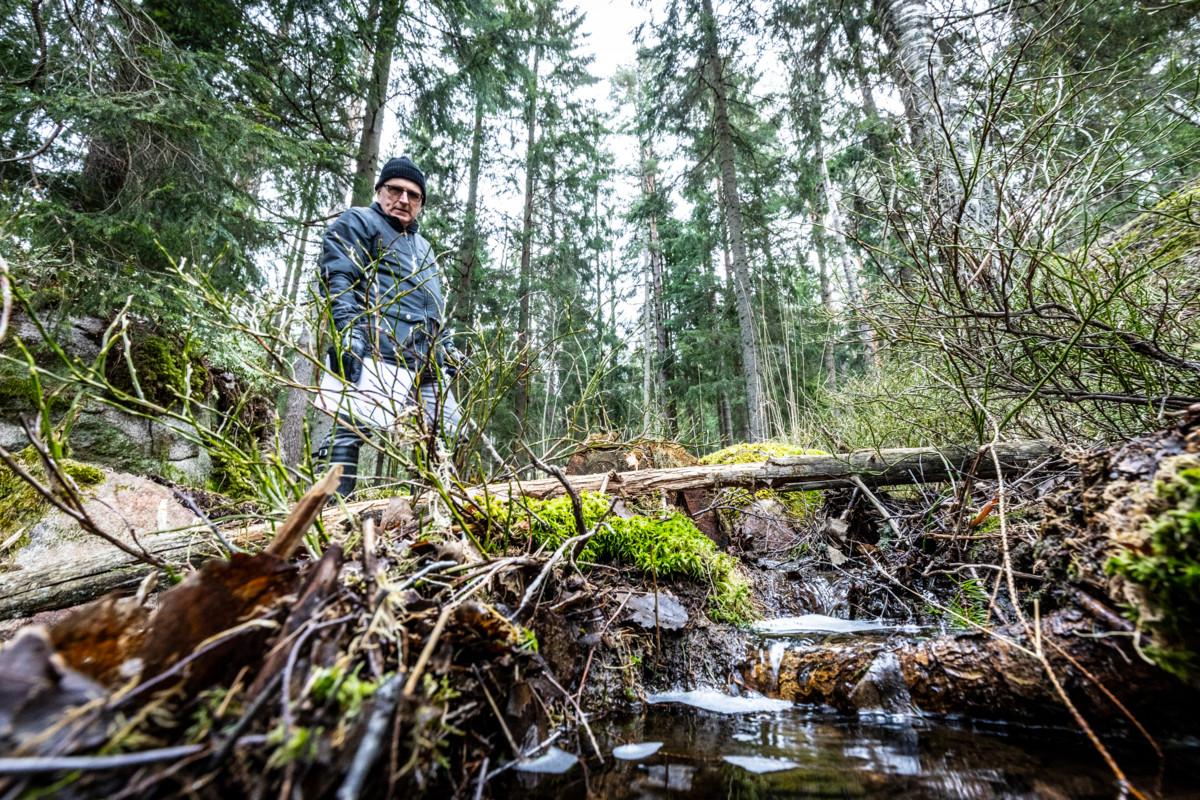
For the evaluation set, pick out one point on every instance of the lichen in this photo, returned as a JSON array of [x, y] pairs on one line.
[[798, 504], [669, 546], [21, 505], [1165, 574]]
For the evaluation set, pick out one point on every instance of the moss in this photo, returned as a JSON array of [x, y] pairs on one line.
[[162, 367], [667, 547], [798, 504], [231, 474], [1167, 575], [20, 503], [752, 452]]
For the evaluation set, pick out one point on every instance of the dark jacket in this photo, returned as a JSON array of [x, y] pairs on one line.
[[384, 278]]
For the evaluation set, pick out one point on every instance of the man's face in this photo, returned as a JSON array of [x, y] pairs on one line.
[[400, 198]]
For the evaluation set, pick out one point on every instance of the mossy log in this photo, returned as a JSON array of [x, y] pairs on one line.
[[56, 586], [902, 466], [976, 674]]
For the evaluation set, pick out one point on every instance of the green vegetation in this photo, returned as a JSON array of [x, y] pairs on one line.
[[166, 370], [1168, 575], [798, 504], [349, 690], [664, 547]]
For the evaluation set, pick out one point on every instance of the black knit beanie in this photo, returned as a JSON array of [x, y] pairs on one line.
[[401, 167]]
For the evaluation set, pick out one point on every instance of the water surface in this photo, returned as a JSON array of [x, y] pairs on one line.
[[799, 752]]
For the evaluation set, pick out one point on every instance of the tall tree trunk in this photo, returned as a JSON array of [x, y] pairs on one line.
[[656, 319], [916, 63], [366, 166], [828, 356], [525, 280], [723, 132], [468, 253]]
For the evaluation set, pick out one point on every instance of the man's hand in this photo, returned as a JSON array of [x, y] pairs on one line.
[[354, 348], [450, 358]]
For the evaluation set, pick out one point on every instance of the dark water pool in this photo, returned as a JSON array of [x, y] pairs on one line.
[[834, 755]]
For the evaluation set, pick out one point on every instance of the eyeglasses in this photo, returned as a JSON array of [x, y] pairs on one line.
[[396, 192]]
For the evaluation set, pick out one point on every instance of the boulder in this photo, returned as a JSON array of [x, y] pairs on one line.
[[125, 506]]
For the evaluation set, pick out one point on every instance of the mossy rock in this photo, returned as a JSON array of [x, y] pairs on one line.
[[669, 546], [21, 505], [1167, 233], [1162, 570], [161, 364], [798, 504]]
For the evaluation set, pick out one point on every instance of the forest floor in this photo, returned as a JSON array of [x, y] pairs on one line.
[[418, 654]]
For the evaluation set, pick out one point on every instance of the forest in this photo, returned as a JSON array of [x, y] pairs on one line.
[[629, 398]]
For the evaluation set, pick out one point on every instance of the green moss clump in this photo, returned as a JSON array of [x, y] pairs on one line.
[[798, 504], [20, 503], [231, 474], [752, 452], [1168, 576], [162, 370], [666, 547]]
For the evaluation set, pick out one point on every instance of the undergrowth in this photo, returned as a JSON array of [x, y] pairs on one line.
[[670, 546]]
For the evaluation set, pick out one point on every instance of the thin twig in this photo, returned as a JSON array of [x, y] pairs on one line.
[[26, 766]]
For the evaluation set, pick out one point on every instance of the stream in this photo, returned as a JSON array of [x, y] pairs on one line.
[[804, 752], [707, 744]]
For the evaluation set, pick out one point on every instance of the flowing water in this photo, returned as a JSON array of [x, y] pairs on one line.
[[802, 752]]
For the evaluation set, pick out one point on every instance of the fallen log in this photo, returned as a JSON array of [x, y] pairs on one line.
[[27, 592], [992, 677], [873, 467]]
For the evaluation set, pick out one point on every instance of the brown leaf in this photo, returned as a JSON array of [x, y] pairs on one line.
[[218, 597], [99, 638], [37, 690]]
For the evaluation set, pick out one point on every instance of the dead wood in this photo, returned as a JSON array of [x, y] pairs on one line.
[[28, 592], [872, 467], [974, 673]]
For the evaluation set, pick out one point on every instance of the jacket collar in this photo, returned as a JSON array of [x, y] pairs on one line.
[[392, 221]]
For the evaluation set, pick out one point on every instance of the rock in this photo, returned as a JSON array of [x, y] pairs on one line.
[[120, 503], [641, 611], [763, 527]]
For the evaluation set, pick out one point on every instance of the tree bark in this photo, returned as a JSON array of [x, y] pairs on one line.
[[723, 131], [525, 281], [367, 162], [468, 253]]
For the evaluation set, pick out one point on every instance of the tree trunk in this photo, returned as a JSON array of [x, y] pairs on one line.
[[468, 253], [366, 167], [525, 281], [828, 356], [656, 317], [723, 132], [972, 673], [916, 64]]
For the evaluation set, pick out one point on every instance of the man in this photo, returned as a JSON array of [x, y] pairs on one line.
[[380, 279]]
